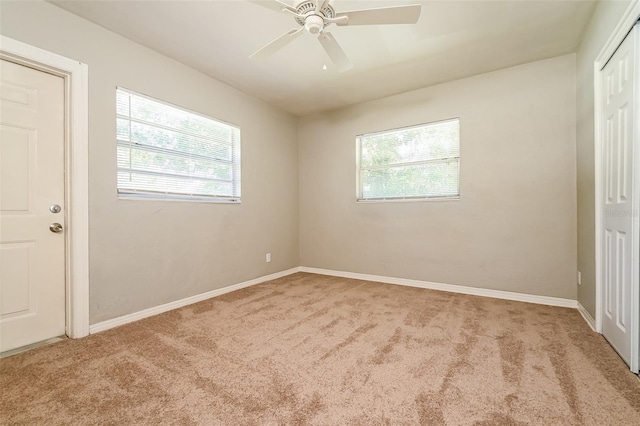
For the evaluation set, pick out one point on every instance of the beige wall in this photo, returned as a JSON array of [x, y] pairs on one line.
[[514, 227], [145, 253], [602, 24]]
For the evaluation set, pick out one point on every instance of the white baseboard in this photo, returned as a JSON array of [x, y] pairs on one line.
[[125, 319], [587, 316], [475, 291]]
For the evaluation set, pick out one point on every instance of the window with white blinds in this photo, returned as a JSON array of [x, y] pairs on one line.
[[416, 162], [170, 153]]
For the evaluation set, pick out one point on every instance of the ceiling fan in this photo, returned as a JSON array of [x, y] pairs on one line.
[[316, 15]]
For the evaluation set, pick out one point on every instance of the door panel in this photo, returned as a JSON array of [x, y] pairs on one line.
[[32, 258], [16, 287], [16, 163]]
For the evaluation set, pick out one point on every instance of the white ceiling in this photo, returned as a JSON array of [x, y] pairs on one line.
[[452, 40]]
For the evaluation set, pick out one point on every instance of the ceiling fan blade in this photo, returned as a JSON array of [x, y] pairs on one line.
[[320, 4], [274, 5], [277, 44], [382, 16], [334, 51]]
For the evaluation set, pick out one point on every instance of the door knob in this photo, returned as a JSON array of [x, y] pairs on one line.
[[55, 227]]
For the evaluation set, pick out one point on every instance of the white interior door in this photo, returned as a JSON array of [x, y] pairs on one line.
[[32, 256], [620, 221]]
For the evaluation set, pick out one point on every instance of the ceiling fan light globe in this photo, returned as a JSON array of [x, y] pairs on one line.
[[314, 24]]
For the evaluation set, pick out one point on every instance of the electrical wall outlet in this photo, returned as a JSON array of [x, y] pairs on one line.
[[268, 257], [579, 278]]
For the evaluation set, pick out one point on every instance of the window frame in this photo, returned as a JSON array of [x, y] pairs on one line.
[[359, 169], [235, 162]]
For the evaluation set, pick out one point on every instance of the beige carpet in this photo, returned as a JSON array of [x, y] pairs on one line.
[[309, 349]]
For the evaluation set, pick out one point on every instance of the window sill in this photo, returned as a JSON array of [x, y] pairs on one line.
[[205, 200], [407, 200]]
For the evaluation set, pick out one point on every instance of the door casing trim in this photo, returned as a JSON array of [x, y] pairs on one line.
[[76, 83], [625, 25]]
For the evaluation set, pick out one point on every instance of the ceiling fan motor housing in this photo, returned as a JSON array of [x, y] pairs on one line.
[[307, 8]]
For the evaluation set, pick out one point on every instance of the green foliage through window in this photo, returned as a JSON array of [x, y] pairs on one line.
[[166, 152], [414, 162]]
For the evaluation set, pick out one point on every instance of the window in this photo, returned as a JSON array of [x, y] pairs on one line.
[[167, 152], [416, 162]]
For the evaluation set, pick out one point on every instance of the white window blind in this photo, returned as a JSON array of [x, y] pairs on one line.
[[171, 153], [410, 163]]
